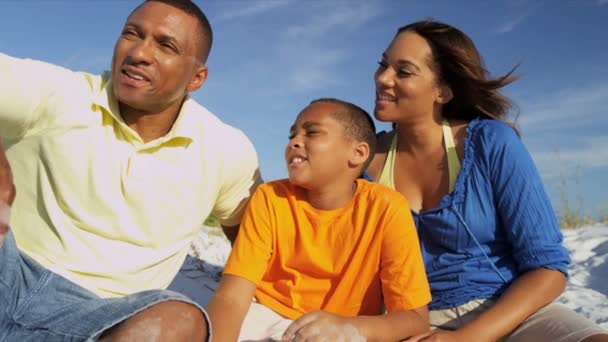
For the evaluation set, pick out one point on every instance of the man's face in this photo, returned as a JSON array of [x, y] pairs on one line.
[[156, 60]]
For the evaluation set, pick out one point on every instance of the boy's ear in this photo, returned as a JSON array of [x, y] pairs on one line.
[[360, 154]]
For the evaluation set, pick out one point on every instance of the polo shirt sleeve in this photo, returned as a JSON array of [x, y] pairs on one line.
[[250, 255], [240, 178], [404, 281], [523, 205], [32, 94]]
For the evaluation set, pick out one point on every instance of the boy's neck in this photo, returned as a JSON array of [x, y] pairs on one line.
[[331, 197]]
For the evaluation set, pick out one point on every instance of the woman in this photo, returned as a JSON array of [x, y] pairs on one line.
[[491, 242]]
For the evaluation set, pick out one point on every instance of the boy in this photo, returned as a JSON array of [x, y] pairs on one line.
[[324, 248]]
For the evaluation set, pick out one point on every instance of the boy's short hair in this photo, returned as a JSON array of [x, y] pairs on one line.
[[357, 123]]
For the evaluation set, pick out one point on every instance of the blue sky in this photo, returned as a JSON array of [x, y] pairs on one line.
[[271, 57]]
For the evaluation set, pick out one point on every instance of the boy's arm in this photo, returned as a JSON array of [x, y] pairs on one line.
[[228, 307], [393, 326]]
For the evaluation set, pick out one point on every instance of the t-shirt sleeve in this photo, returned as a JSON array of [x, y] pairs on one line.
[[240, 178], [250, 255], [523, 205], [32, 93], [404, 281]]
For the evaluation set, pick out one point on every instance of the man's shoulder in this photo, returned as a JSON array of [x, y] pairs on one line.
[[212, 124]]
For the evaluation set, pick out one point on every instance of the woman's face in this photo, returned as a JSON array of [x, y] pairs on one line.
[[406, 86]]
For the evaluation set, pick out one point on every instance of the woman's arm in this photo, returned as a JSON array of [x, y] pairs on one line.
[[528, 294], [531, 228]]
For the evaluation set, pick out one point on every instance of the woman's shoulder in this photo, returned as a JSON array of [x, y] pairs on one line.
[[491, 129], [384, 139], [490, 135]]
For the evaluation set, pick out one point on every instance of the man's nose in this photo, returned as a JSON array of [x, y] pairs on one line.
[[142, 52]]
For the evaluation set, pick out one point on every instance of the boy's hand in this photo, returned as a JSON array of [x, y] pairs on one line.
[[322, 326]]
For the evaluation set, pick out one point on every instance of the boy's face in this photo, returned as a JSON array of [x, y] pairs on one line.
[[319, 151]]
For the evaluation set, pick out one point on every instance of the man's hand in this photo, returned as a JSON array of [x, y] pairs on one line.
[[7, 193], [322, 326]]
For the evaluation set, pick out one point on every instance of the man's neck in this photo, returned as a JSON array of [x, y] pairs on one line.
[[150, 125]]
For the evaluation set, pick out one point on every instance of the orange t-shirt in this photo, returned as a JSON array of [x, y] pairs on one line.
[[347, 261]]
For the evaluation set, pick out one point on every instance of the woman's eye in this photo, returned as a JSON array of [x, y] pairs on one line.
[[404, 73]]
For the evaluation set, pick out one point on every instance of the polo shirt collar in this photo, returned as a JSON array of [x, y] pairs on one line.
[[183, 127]]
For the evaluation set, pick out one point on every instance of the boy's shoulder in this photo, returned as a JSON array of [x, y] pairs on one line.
[[276, 187]]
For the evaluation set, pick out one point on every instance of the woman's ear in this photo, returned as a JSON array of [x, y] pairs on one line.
[[445, 94]]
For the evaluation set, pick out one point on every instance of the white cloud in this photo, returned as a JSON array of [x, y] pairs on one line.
[[590, 154], [255, 7], [511, 23], [315, 68], [517, 12], [602, 2], [568, 108], [338, 15]]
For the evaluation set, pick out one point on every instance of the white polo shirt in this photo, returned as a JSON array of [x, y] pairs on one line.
[[94, 202]]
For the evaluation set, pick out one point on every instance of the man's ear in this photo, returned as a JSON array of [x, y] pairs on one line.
[[445, 94], [360, 154], [199, 77]]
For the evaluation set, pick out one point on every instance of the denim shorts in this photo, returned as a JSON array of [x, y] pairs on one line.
[[39, 305]]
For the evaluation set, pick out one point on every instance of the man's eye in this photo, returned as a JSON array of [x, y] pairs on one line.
[[129, 33], [168, 46], [309, 133]]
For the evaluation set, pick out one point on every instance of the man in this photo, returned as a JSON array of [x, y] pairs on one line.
[[115, 174]]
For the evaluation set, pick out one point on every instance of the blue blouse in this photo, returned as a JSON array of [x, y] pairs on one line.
[[497, 223]]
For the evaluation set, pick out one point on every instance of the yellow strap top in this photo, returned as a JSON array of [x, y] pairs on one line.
[[387, 178]]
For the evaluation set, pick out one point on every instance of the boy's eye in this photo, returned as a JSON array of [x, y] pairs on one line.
[[309, 133], [382, 65]]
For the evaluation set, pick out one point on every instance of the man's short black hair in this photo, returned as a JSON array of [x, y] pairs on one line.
[[190, 8], [357, 123]]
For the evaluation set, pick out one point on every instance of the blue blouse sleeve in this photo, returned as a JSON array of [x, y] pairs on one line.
[[522, 204]]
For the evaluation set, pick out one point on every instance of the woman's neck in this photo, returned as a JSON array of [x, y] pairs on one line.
[[420, 136]]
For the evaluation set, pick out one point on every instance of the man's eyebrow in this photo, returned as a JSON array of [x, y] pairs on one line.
[[166, 38], [402, 62], [163, 37]]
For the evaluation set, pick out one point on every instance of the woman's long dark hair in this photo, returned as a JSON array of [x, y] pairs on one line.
[[457, 63]]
